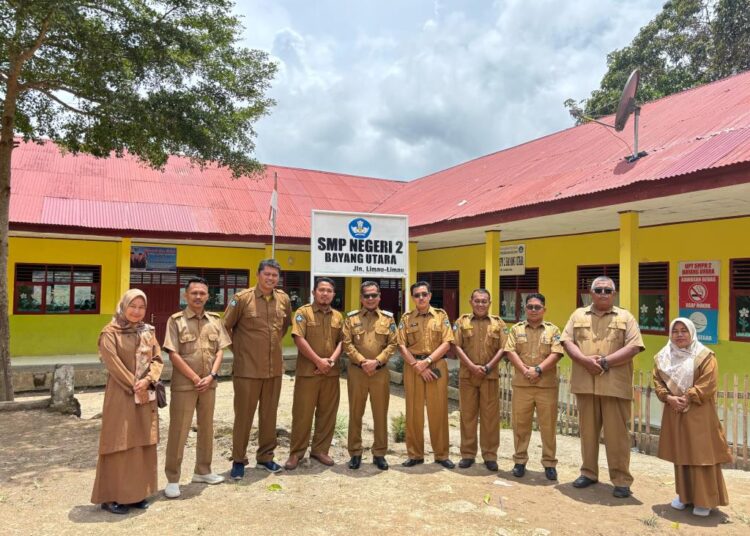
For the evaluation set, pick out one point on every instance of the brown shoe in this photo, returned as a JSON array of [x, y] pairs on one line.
[[325, 459], [292, 462]]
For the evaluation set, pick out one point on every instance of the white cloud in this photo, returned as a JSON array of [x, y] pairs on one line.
[[444, 85]]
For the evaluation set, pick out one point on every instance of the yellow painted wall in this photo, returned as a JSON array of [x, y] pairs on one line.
[[558, 258]]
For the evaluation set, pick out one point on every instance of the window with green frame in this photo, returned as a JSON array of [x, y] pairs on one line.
[[653, 297], [739, 297]]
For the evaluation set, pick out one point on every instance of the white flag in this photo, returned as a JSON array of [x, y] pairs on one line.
[[274, 202]]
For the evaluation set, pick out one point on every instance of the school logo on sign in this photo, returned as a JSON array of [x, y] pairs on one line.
[[360, 228]]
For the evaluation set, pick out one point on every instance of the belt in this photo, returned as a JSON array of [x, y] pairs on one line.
[[380, 365]]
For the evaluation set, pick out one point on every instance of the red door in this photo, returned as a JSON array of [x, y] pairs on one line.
[[450, 303], [163, 301], [390, 300]]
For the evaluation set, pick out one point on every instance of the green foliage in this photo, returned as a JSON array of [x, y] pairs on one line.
[[690, 42], [153, 77], [398, 427], [342, 426]]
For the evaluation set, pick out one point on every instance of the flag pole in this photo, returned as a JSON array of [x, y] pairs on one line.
[[274, 210]]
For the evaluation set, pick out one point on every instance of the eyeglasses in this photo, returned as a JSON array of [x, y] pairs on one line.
[[600, 290], [481, 302], [420, 294], [371, 296], [534, 307]]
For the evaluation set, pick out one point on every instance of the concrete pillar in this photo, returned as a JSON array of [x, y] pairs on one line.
[[492, 268], [412, 275], [123, 270], [628, 290]]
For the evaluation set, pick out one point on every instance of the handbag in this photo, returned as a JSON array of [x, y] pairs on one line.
[[161, 395]]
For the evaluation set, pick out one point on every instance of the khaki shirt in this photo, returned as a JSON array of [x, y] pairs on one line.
[[257, 326], [197, 339], [423, 333], [322, 330], [603, 334], [369, 335], [533, 345], [480, 339]]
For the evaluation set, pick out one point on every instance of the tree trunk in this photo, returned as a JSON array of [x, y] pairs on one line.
[[6, 151]]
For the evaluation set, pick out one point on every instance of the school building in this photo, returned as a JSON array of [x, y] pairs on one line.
[[671, 228]]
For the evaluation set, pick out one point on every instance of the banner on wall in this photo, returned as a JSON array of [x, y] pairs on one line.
[[513, 260], [699, 297], [153, 259], [357, 244]]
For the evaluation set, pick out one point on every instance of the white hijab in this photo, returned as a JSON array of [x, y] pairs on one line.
[[678, 364]]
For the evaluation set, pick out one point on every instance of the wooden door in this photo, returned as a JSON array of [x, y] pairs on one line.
[[450, 303], [163, 301]]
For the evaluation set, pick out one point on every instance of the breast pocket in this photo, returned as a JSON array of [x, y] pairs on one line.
[[188, 343], [616, 333], [436, 333], [582, 331], [412, 335]]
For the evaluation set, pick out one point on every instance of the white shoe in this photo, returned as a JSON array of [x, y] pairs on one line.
[[702, 512], [208, 479], [172, 490], [676, 504]]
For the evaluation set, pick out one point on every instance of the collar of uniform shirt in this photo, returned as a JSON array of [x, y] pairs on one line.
[[590, 310], [430, 311], [485, 317], [316, 307], [190, 313], [259, 293]]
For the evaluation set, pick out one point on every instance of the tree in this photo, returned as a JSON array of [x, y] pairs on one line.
[[150, 77], [690, 42]]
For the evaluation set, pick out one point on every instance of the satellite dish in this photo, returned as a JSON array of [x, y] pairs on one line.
[[627, 104]]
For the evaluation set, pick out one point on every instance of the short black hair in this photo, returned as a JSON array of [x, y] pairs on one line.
[[420, 284], [328, 280], [198, 280], [366, 284], [269, 263], [480, 291], [535, 295]]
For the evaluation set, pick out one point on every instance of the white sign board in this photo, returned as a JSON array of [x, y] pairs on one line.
[[358, 244], [513, 260]]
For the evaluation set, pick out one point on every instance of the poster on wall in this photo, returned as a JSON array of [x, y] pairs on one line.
[[699, 297], [153, 259], [357, 244], [513, 260]]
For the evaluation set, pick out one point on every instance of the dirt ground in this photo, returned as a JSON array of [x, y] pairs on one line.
[[48, 461]]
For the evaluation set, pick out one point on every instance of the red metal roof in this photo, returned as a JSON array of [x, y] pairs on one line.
[[697, 130], [700, 129], [55, 189]]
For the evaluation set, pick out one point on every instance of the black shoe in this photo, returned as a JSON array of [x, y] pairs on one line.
[[583, 482], [465, 463], [491, 465], [621, 492], [381, 462], [115, 508], [238, 471], [550, 473], [411, 462], [355, 462], [519, 470], [141, 505], [446, 463]]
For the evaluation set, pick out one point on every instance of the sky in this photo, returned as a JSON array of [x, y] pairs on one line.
[[401, 89]]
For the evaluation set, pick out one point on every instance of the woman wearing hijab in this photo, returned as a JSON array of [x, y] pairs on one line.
[[685, 378], [126, 469]]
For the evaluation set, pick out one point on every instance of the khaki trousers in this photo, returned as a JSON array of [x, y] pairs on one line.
[[479, 400], [611, 413], [525, 400], [318, 397], [378, 386], [182, 405], [435, 395], [249, 394]]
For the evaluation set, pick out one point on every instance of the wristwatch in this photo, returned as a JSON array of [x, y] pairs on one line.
[[215, 375], [604, 364], [487, 369], [429, 359], [538, 370]]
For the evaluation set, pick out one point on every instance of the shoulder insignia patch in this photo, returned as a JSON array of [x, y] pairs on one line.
[[506, 330], [353, 313], [233, 303], [556, 338], [401, 325], [447, 322], [392, 327], [299, 318], [386, 313], [455, 326]]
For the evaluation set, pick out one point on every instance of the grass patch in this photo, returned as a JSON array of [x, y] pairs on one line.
[[398, 427], [651, 522], [342, 426]]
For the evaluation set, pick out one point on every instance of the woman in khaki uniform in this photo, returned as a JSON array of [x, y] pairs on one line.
[[126, 469], [685, 377]]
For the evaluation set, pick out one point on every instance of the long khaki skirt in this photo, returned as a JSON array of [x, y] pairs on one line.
[[701, 485], [125, 477]]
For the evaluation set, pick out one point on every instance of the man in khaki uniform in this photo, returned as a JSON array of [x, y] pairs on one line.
[[602, 340], [534, 349], [479, 341], [257, 319], [424, 336], [317, 334], [195, 341], [369, 340]]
